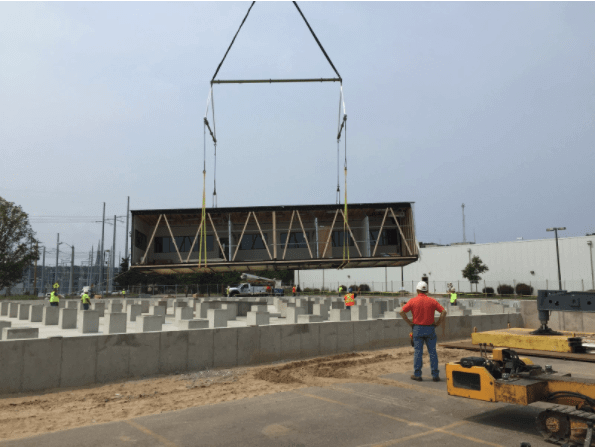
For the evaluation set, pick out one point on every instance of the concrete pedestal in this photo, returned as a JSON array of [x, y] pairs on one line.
[[148, 323], [19, 333], [292, 314], [88, 321], [114, 323], [359, 312], [4, 324], [13, 309], [133, 311], [144, 306], [99, 307], [24, 311], [184, 313], [340, 315], [70, 304], [217, 318], [259, 308], [192, 324], [4, 308], [257, 318], [374, 310], [232, 310], [36, 313], [67, 318], [50, 315], [115, 307], [308, 318]]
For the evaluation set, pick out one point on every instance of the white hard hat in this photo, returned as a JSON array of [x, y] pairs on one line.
[[422, 286]]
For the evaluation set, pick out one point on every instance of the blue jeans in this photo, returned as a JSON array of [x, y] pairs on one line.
[[425, 334], [85, 306]]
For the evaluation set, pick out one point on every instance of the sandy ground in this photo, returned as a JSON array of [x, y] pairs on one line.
[[27, 415]]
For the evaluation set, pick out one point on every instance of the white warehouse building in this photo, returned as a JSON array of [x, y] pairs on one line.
[[533, 262]]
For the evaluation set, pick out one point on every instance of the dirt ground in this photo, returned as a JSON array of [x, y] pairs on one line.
[[26, 415]]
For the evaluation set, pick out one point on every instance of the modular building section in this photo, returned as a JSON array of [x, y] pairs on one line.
[[278, 237]]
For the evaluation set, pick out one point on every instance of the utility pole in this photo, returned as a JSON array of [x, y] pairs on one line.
[[29, 270], [35, 271], [126, 231], [108, 280], [103, 222], [557, 242], [71, 271], [57, 253], [43, 271], [463, 217], [113, 254], [591, 262]]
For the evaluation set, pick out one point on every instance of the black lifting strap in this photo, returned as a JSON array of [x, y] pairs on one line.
[[224, 58], [315, 36]]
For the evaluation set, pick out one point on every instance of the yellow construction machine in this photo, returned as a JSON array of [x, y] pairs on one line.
[[505, 377]]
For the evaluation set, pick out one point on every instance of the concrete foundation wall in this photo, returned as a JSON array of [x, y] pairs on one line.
[[36, 365], [559, 320]]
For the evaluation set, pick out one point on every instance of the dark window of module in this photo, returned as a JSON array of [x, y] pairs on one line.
[[388, 237], [140, 240], [252, 242], [296, 240], [164, 245], [337, 238]]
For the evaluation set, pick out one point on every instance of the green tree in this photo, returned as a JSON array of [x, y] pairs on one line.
[[472, 271], [18, 246]]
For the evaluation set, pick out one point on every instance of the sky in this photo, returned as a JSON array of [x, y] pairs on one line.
[[490, 104]]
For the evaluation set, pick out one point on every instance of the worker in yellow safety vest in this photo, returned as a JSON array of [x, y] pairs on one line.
[[54, 299], [453, 300], [124, 293], [86, 301], [228, 291], [339, 292], [349, 299]]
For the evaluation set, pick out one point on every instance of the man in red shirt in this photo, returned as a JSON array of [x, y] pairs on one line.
[[423, 325]]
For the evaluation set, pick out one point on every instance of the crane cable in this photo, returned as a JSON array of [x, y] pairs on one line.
[[203, 239], [342, 124]]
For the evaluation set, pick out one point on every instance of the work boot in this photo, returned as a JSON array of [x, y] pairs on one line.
[[416, 378], [436, 379]]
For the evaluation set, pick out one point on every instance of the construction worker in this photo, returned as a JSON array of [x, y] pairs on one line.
[[294, 290], [86, 301], [54, 298], [453, 300], [124, 293], [340, 290], [349, 299], [423, 326], [228, 291]]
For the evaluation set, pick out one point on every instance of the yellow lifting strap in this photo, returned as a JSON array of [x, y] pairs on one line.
[[346, 246]]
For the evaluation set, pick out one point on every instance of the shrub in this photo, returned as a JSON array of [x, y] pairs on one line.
[[488, 291], [523, 290], [316, 290], [306, 290], [505, 289], [354, 288], [364, 287]]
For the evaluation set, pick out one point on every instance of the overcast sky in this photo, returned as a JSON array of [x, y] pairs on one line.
[[487, 104]]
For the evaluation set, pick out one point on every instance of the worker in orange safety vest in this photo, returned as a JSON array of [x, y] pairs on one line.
[[349, 299], [294, 290]]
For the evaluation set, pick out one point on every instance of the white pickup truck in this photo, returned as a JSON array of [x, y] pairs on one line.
[[246, 289]]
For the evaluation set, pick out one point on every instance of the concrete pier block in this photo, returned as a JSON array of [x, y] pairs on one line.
[[88, 321], [184, 313], [257, 318], [114, 323], [192, 324], [70, 304], [24, 311], [292, 314], [232, 309], [144, 306], [19, 333], [158, 310], [36, 313], [4, 308], [129, 302], [4, 324], [13, 309], [321, 309], [337, 315], [100, 307], [217, 318], [338, 305], [308, 318], [67, 318], [148, 323], [133, 311], [359, 312], [62, 303], [115, 307], [374, 310], [50, 315], [202, 310], [391, 315], [259, 308]]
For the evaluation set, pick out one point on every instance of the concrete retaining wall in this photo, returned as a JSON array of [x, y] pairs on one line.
[[559, 320], [36, 365]]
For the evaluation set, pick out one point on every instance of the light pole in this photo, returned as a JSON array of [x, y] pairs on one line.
[[70, 283], [591, 262], [108, 280], [555, 229]]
